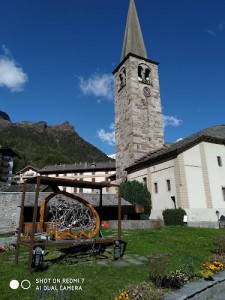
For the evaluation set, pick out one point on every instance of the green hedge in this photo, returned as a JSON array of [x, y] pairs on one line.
[[174, 216]]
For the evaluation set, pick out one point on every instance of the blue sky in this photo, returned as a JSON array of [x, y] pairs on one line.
[[57, 57]]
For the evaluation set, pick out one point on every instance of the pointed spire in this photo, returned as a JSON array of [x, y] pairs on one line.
[[133, 39]]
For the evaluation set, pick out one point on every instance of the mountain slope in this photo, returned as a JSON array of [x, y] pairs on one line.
[[38, 144]]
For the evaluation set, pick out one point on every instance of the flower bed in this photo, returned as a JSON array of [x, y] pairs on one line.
[[142, 291], [209, 269], [161, 282]]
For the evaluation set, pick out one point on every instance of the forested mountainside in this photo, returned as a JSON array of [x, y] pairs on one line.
[[39, 144]]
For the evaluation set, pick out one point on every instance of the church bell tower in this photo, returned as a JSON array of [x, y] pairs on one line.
[[138, 114]]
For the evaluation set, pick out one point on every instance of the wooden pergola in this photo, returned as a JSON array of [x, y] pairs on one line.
[[55, 182]]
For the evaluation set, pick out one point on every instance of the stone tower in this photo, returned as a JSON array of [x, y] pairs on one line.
[[138, 115]]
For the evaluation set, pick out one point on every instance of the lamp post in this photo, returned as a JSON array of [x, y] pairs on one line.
[[218, 217]]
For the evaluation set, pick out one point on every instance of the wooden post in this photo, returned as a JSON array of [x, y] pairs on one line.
[[100, 213], [21, 222], [119, 213], [33, 224]]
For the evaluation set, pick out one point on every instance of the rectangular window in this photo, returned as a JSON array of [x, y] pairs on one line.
[[219, 161], [223, 191], [145, 180], [168, 185], [156, 187]]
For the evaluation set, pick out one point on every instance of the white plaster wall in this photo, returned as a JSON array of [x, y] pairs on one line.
[[192, 156], [159, 174], [204, 217], [195, 187], [88, 173], [51, 175], [30, 172], [194, 177], [100, 173], [216, 174], [138, 175]]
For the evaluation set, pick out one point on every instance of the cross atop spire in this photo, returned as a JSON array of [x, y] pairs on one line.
[[133, 39]]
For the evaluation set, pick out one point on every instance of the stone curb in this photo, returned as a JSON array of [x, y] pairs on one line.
[[201, 290]]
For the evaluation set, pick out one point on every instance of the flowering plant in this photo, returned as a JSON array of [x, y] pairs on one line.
[[3, 249], [175, 280], [218, 257], [122, 296], [214, 267], [142, 291], [208, 269]]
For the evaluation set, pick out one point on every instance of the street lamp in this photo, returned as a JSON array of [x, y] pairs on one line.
[[218, 217]]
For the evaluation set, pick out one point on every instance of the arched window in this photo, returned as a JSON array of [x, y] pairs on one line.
[[144, 73], [147, 75], [122, 77], [140, 73]]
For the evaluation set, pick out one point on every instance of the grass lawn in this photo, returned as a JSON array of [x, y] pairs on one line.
[[99, 281], [4, 235]]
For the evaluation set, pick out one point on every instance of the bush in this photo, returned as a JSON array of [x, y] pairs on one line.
[[174, 216], [144, 217], [189, 270], [136, 193], [175, 280], [219, 243], [158, 264]]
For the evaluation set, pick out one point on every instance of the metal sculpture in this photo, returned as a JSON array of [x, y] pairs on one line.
[[66, 215]]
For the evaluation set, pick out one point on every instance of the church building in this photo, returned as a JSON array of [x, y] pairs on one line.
[[189, 173]]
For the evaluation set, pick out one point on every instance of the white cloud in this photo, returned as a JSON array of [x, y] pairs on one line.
[[221, 26], [6, 50], [11, 75], [107, 136], [211, 32], [171, 121], [99, 85], [219, 29]]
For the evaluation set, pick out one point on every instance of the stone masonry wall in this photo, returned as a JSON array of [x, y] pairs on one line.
[[138, 118], [9, 210]]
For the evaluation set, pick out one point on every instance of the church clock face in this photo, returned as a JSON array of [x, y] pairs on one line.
[[146, 91]]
